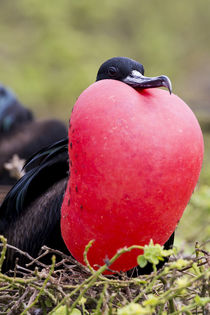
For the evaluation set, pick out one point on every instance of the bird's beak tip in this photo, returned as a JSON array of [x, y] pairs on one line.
[[166, 82]]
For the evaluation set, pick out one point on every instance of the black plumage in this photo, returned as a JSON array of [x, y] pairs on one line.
[[30, 213], [21, 134]]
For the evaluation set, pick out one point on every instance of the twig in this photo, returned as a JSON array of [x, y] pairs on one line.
[[42, 289], [18, 302], [3, 252]]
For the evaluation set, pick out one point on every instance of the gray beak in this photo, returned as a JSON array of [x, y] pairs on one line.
[[137, 80]]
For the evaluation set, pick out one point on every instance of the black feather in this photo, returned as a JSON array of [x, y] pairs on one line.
[[47, 153]]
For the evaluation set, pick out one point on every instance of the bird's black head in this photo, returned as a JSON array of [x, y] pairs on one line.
[[130, 72], [12, 112], [118, 68]]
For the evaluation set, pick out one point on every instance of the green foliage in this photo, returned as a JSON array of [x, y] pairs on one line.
[[133, 309], [63, 310], [153, 254], [201, 301]]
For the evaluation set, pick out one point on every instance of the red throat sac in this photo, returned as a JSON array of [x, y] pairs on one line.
[[135, 158]]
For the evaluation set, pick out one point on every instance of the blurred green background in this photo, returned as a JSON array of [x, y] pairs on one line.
[[51, 50]]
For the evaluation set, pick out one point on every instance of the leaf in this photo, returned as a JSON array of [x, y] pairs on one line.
[[133, 309], [201, 301], [62, 310], [155, 253], [179, 264], [152, 300], [142, 262], [48, 303]]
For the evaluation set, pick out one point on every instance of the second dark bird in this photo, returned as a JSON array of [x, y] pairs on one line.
[[21, 134]]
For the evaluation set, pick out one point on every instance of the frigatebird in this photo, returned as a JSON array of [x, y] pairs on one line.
[[21, 134], [30, 213]]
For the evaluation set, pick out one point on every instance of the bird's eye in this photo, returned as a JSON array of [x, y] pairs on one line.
[[112, 71]]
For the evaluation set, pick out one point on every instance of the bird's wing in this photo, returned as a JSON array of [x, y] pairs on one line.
[[44, 169]]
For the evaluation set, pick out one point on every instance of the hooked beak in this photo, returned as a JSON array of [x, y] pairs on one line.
[[137, 80]]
